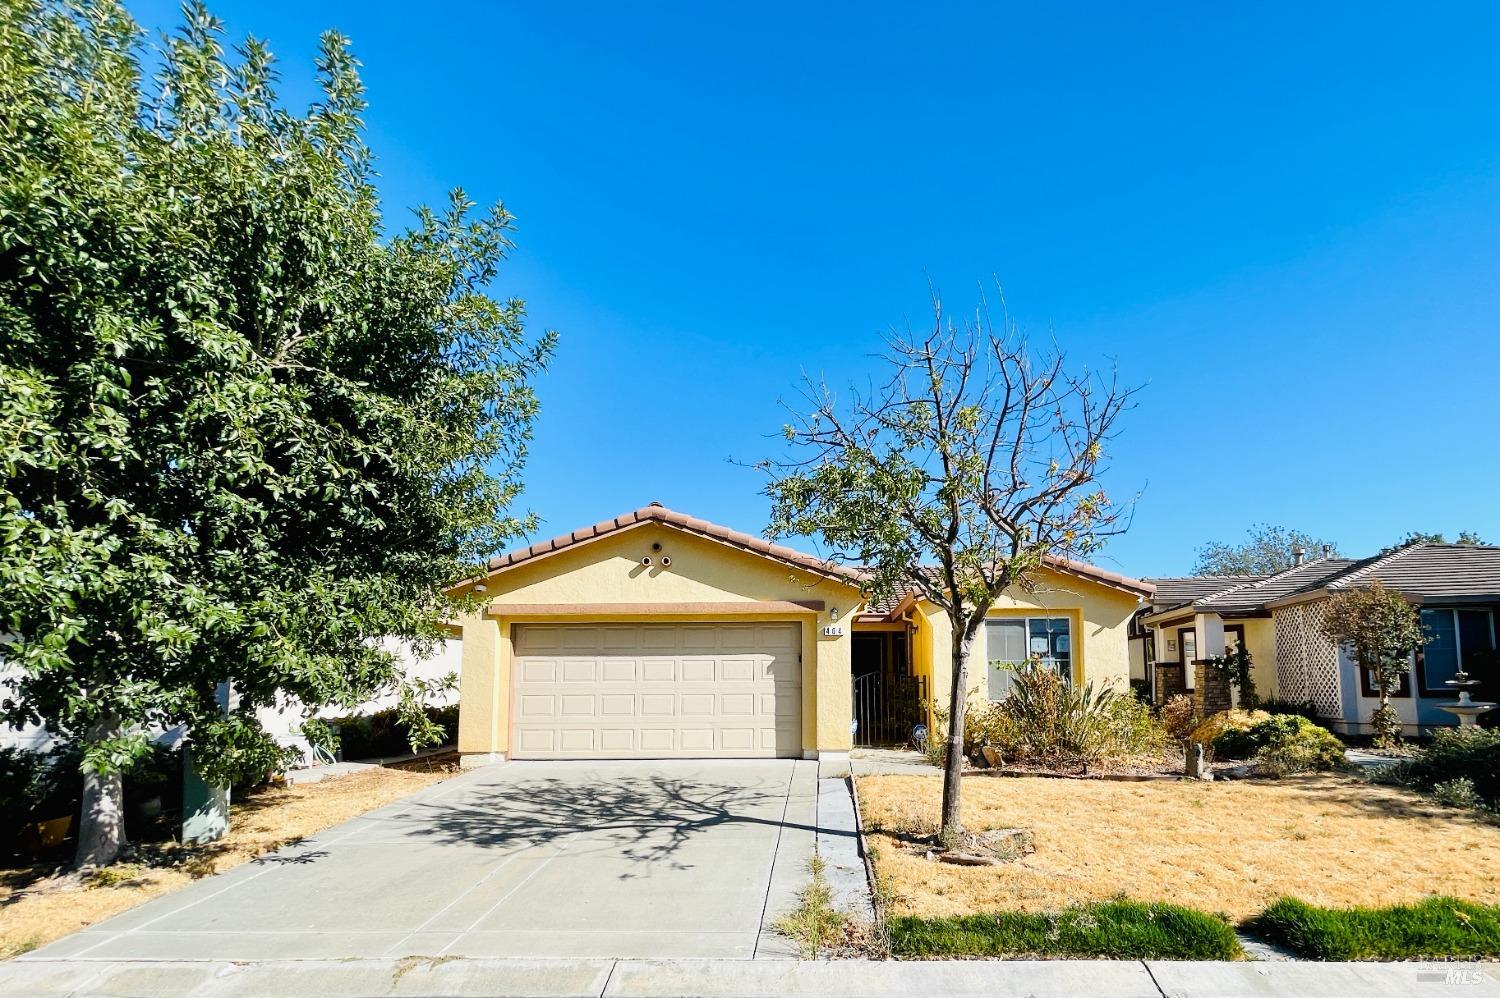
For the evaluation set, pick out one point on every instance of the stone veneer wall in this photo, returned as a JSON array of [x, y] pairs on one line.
[[1169, 681], [1211, 692]]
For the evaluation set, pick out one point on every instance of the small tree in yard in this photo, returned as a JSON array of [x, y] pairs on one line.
[[246, 434], [976, 462], [1381, 629]]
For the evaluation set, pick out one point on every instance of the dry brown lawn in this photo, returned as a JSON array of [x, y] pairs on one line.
[[1230, 847], [35, 912]]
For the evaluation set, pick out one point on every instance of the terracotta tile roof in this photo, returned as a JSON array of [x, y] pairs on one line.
[[657, 513], [893, 603]]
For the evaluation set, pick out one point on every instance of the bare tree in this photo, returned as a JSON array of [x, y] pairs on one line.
[[961, 476]]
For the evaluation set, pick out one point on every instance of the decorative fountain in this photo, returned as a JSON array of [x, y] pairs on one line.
[[1466, 710]]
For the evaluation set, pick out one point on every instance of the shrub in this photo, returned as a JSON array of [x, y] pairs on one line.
[[384, 734], [1179, 717], [1049, 720], [1301, 708], [1458, 792], [1225, 720], [1437, 928], [1282, 743], [1471, 754], [1116, 929]]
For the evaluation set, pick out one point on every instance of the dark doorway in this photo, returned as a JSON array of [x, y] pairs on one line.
[[888, 700]]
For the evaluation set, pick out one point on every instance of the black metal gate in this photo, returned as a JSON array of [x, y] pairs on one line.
[[886, 710]]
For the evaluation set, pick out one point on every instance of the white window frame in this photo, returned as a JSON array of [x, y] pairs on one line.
[[989, 660]]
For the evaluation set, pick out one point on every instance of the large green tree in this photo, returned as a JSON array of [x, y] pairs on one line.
[[246, 432], [1265, 550], [975, 460]]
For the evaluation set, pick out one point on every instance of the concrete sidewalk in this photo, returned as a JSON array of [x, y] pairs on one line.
[[414, 978]]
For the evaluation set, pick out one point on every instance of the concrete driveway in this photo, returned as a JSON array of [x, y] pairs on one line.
[[556, 859]]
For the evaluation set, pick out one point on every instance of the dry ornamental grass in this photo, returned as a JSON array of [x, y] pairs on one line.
[[35, 912], [1230, 847]]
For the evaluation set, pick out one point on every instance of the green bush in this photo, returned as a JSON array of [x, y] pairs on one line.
[[1047, 719], [382, 734], [1438, 928], [1286, 743], [1458, 792], [1126, 930], [1299, 708], [1471, 754]]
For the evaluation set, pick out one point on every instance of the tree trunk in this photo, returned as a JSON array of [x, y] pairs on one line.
[[101, 825], [953, 768]]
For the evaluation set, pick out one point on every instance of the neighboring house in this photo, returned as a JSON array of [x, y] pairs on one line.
[[284, 723], [1279, 618], [656, 634]]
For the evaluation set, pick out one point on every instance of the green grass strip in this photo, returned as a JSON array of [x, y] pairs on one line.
[[1437, 928], [1119, 929]]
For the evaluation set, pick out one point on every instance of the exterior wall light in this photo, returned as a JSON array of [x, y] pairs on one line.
[[833, 613], [480, 587]]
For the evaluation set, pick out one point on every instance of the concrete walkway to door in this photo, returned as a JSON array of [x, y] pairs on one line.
[[536, 860]]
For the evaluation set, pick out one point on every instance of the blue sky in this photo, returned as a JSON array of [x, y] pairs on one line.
[[1284, 222]]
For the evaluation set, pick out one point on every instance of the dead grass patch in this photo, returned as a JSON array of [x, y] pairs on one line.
[[1230, 847], [36, 909]]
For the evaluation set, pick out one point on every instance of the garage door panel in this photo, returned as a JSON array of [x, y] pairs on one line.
[[698, 670], [658, 704], [578, 705], [617, 705], [737, 704], [654, 690], [538, 705], [697, 704], [620, 670]]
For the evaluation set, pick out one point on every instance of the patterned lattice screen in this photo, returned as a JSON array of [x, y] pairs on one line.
[[1307, 660]]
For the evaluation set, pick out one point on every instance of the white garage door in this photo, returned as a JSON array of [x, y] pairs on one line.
[[644, 691]]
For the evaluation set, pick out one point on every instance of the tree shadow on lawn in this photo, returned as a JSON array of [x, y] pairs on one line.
[[647, 820], [1383, 800]]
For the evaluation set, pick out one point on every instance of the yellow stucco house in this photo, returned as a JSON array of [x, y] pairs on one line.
[[656, 634]]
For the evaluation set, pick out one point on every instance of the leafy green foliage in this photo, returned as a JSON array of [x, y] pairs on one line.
[[386, 733], [234, 750], [816, 924], [1122, 930], [1238, 668], [1046, 719], [1381, 629], [1471, 754], [247, 432], [1284, 743], [1466, 538], [1266, 551], [1438, 928], [1302, 708], [1458, 792]]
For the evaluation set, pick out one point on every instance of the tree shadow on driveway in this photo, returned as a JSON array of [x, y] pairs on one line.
[[646, 820]]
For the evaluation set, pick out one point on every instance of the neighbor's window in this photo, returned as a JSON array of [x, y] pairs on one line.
[[1018, 640], [1453, 636]]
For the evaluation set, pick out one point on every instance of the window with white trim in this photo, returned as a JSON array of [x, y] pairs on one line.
[[1013, 642]]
